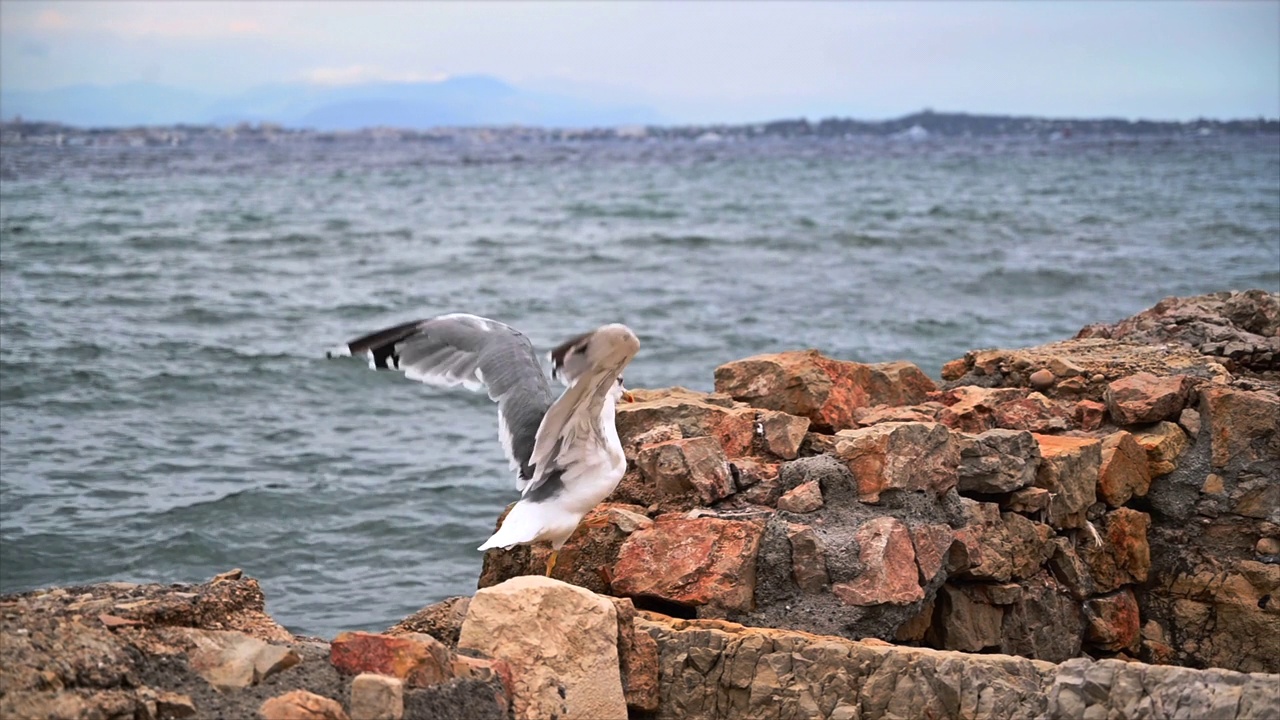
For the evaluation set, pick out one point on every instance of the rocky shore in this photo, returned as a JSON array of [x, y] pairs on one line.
[[1086, 529]]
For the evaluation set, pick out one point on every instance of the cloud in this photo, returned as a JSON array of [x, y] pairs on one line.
[[354, 74], [245, 27], [52, 20]]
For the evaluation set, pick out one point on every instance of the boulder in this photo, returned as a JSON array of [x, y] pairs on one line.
[[693, 414], [1244, 427], [560, 642], [1035, 413], [677, 466], [826, 391], [808, 559], [301, 705], [1069, 471], [782, 434], [1146, 398], [972, 409], [997, 461], [1088, 415], [1163, 442], [1113, 621], [890, 574], [899, 456], [231, 660], [965, 621], [1124, 471], [442, 620], [803, 498], [1122, 554], [700, 561], [376, 697], [418, 659]]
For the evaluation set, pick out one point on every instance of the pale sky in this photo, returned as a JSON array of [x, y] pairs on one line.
[[692, 62]]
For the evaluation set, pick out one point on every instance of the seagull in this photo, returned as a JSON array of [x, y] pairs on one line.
[[566, 453]]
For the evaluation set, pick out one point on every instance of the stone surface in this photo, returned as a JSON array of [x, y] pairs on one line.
[[891, 574], [782, 434], [1042, 622], [560, 642], [1123, 554], [808, 559], [1001, 546], [1068, 470], [1164, 443], [695, 562], [1244, 426], [826, 391], [1089, 415], [1113, 621], [418, 659], [965, 621], [899, 456], [693, 414], [231, 660], [302, 705], [376, 697], [1124, 471], [1146, 398], [696, 463], [972, 409], [1035, 413], [997, 461], [805, 497], [442, 620], [637, 660]]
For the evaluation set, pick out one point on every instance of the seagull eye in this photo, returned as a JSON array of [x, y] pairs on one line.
[[619, 380]]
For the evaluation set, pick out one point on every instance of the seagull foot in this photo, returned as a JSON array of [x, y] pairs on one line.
[[551, 561]]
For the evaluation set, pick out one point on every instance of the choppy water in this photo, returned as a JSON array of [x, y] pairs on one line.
[[167, 412]]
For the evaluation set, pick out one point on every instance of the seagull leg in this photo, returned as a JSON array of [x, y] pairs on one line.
[[551, 561]]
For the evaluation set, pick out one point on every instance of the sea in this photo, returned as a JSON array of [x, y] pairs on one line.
[[168, 412]]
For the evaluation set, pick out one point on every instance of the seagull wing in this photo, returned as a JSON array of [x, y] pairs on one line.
[[476, 353]]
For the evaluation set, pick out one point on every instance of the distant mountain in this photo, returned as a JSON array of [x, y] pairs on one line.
[[466, 100]]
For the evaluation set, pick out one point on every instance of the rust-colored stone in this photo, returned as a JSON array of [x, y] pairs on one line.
[[1164, 442], [891, 574], [1123, 556], [699, 561], [1146, 398], [1113, 621], [1124, 472], [899, 456], [782, 434], [1069, 471], [301, 705], [803, 498], [695, 414], [1034, 413], [697, 463], [808, 563], [1089, 415], [931, 543], [1244, 426], [418, 659]]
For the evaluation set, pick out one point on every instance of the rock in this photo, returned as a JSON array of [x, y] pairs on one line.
[[420, 660], [1244, 426], [1044, 622], [965, 622], [694, 414], [695, 463], [1113, 621], [1070, 570], [925, 412], [1035, 413], [696, 562], [757, 481], [1001, 546], [827, 391], [782, 433], [442, 620], [997, 461], [972, 409], [1124, 472], [808, 561], [954, 370], [931, 543], [560, 642], [1189, 421], [899, 456], [1124, 555], [1089, 415], [1069, 471], [1042, 379], [1164, 442], [1267, 546], [302, 705], [890, 574], [1028, 501], [637, 660], [231, 660], [805, 497], [376, 697], [1145, 398]]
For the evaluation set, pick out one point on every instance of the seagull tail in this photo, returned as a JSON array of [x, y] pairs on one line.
[[521, 525]]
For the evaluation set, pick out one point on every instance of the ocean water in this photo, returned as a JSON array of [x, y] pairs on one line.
[[167, 411]]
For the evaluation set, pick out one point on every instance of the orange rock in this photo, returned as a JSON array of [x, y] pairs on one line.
[[760, 480], [1145, 398], [955, 369], [418, 659], [699, 561], [1164, 442], [931, 543], [1113, 621], [783, 433], [1124, 472], [697, 463], [890, 575], [1124, 556], [1244, 426], [302, 705], [803, 498], [971, 409], [1069, 471], [899, 456], [1089, 415], [695, 414], [1035, 413], [827, 391], [924, 412]]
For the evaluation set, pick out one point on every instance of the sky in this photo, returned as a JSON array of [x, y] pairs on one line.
[[691, 62]]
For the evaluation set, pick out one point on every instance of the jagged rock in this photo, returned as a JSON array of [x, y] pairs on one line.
[[560, 642], [1146, 398], [803, 498], [1089, 415], [698, 561], [1163, 442], [1125, 471], [1035, 413], [890, 570], [1113, 621], [758, 481], [1069, 471], [808, 559], [1028, 501], [1001, 546], [924, 412], [302, 705], [1244, 427], [964, 622], [931, 543], [442, 620], [637, 660], [972, 409], [1222, 612], [376, 697], [899, 456], [1123, 556], [997, 461], [231, 660], [1070, 570], [782, 433], [677, 466], [1043, 622], [827, 391], [695, 414], [418, 659]]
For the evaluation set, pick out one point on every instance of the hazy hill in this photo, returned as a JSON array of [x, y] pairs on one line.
[[466, 100]]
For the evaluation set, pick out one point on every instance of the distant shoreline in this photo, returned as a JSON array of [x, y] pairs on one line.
[[917, 126]]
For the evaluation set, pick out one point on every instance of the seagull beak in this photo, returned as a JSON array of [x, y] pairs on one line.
[[628, 397]]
